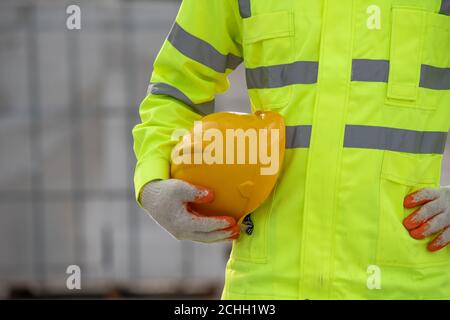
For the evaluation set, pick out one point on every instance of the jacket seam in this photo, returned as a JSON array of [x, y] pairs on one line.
[[340, 156]]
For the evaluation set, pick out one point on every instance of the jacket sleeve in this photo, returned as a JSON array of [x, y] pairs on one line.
[[201, 50]]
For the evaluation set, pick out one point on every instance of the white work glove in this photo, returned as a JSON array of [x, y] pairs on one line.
[[167, 202], [431, 218]]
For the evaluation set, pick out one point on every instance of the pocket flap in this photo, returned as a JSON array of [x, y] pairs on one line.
[[406, 52], [438, 21], [412, 170], [268, 25]]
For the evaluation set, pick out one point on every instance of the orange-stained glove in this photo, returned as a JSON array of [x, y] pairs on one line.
[[167, 202], [432, 217]]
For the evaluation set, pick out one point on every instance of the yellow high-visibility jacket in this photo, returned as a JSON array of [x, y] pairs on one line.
[[364, 87]]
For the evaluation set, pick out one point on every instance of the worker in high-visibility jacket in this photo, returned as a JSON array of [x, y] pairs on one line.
[[364, 89]]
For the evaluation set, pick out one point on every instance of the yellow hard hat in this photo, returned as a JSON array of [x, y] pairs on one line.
[[238, 156]]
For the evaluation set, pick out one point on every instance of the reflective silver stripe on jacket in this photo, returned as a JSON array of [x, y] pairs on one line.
[[378, 71], [298, 136], [445, 7], [435, 78], [301, 72], [245, 8], [392, 139], [370, 70], [168, 90], [201, 51]]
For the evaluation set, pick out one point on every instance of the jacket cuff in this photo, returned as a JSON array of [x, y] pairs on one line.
[[148, 170]]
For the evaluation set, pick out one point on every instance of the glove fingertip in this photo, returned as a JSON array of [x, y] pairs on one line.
[[409, 202], [235, 232], [231, 221], [438, 243], [410, 222], [227, 223], [418, 233], [203, 195], [435, 246], [419, 198]]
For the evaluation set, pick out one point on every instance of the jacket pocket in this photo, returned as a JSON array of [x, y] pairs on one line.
[[419, 56], [254, 247], [268, 49], [401, 175]]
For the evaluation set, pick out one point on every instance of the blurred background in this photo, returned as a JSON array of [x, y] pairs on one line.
[[68, 102]]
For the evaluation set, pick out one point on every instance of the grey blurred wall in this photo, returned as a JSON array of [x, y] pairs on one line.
[[68, 102]]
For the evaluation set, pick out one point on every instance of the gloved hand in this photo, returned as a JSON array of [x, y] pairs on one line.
[[167, 201], [432, 217]]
